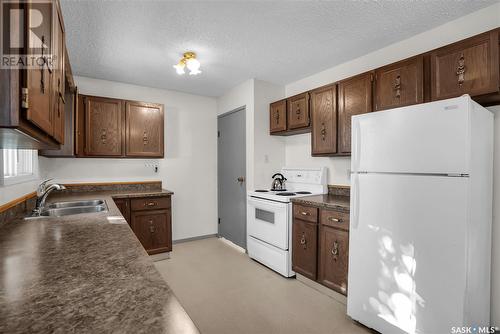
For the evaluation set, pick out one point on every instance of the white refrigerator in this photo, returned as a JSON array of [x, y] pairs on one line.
[[421, 213]]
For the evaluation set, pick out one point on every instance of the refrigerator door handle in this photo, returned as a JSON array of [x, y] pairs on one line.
[[356, 140], [355, 201]]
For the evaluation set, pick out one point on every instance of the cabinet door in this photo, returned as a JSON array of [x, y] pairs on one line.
[[144, 129], [39, 78], [467, 67], [324, 120], [153, 229], [58, 82], [277, 116], [123, 205], [304, 248], [355, 97], [400, 84], [298, 111], [333, 258], [103, 126]]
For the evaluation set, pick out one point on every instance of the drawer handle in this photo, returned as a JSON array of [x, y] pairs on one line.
[[304, 213], [150, 204], [335, 249], [303, 241], [461, 70], [335, 220]]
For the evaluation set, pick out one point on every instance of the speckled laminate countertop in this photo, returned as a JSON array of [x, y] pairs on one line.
[[85, 273], [340, 203]]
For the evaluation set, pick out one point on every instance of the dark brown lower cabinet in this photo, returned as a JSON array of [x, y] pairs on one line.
[[151, 220], [320, 246], [153, 229], [305, 248], [123, 205], [333, 258]]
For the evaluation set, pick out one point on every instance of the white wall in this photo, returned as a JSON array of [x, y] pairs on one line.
[[298, 148], [264, 154], [189, 167]]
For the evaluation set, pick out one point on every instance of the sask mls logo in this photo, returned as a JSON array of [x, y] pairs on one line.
[[26, 34]]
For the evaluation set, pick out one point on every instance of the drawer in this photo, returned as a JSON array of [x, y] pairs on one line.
[[335, 219], [150, 203], [307, 213]]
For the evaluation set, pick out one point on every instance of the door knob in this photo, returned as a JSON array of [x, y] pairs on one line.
[[241, 179]]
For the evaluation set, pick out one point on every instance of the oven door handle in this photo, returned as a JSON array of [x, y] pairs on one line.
[[266, 203]]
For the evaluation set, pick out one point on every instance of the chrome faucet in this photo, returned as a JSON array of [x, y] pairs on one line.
[[43, 192]]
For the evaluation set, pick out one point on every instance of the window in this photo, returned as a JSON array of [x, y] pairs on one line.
[[18, 166]]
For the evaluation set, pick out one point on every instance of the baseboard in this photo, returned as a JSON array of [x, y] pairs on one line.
[[178, 241], [323, 289], [160, 256], [232, 244]]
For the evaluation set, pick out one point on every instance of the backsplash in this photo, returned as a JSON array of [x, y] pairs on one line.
[[339, 190]]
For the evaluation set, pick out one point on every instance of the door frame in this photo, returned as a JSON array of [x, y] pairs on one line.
[[227, 113]]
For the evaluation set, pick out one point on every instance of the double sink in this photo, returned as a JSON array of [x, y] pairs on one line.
[[60, 209]]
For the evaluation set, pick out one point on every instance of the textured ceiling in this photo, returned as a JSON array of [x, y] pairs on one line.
[[139, 41]]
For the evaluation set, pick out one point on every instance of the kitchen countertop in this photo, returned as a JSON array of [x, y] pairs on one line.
[[336, 202], [83, 273]]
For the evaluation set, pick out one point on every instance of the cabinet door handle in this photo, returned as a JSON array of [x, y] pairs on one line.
[[145, 139], [277, 116], [461, 70], [323, 131], [151, 226], [103, 136], [335, 249], [397, 86], [42, 76], [303, 241], [335, 220]]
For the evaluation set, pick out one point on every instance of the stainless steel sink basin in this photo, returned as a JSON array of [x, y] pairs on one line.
[[60, 209], [73, 204], [66, 211]]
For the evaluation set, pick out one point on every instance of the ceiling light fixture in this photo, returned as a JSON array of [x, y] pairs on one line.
[[188, 60]]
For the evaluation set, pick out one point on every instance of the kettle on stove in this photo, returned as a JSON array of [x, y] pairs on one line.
[[278, 182]]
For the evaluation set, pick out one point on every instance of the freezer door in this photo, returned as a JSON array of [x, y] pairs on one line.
[[425, 138], [407, 252]]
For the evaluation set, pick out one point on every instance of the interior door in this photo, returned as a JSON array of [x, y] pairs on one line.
[[407, 252], [231, 177]]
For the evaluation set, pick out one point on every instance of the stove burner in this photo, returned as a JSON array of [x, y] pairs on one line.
[[261, 191], [278, 189], [303, 192], [286, 194]]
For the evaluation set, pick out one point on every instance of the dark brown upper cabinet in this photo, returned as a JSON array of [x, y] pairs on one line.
[[400, 84], [58, 80], [277, 117], [355, 98], [298, 111], [104, 135], [32, 99], [108, 127], [39, 80], [466, 67], [144, 128], [324, 120]]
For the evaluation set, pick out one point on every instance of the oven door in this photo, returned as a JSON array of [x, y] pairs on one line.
[[268, 221]]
